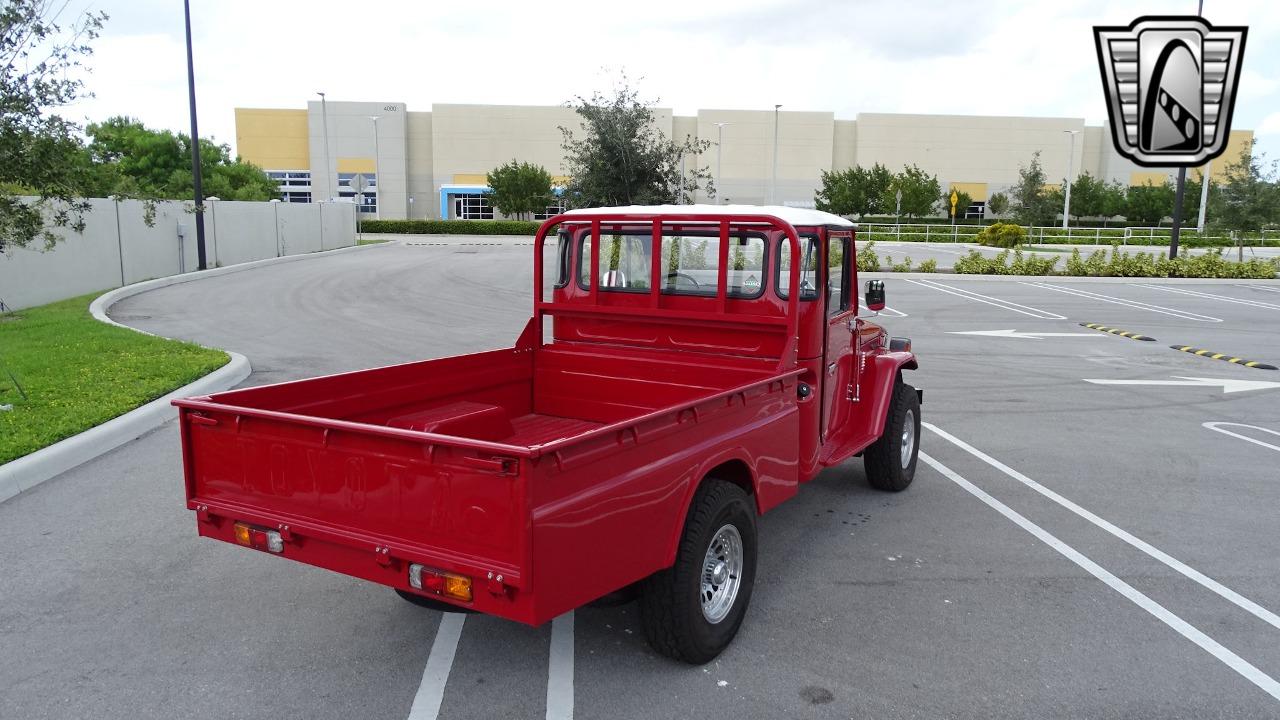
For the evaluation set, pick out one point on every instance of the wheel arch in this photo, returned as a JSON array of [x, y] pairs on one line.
[[888, 368], [733, 466]]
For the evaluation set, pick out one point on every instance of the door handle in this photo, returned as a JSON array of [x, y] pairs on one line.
[[831, 368], [853, 324]]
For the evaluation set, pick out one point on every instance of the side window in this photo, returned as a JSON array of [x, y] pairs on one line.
[[691, 265], [837, 278], [808, 267], [562, 261], [624, 263]]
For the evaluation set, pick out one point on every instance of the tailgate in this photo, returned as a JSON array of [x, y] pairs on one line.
[[366, 501]]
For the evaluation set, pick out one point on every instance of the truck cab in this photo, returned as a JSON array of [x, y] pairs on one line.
[[685, 369]]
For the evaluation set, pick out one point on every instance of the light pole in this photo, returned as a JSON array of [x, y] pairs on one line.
[[328, 164], [719, 146], [773, 183], [1066, 194], [377, 175], [1204, 194], [195, 143]]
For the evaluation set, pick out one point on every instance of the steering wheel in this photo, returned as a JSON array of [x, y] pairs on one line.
[[681, 276]]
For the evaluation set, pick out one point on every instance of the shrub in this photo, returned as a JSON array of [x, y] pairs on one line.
[[868, 261], [1075, 265], [904, 266], [976, 264], [1004, 235], [1031, 265], [928, 266], [451, 227]]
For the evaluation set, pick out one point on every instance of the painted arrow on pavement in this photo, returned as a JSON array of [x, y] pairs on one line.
[[1227, 385], [1020, 334]]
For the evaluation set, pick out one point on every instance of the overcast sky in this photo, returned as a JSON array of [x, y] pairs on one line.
[[990, 57]]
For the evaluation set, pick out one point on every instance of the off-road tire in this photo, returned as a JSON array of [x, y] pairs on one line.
[[670, 607], [883, 460]]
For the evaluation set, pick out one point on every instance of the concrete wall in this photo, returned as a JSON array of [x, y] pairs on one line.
[[118, 247]]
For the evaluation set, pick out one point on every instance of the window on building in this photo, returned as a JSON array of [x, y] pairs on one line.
[[550, 212], [369, 199], [472, 206], [292, 185]]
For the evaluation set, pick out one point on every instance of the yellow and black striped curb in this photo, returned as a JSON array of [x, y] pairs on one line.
[[1220, 356], [1116, 331]]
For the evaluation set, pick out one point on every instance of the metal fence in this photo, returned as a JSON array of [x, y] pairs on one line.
[[922, 232]]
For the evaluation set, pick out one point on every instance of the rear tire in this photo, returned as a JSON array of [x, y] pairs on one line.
[[890, 462], [692, 610]]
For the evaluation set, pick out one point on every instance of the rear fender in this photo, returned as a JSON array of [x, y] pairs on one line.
[[700, 476], [884, 369]]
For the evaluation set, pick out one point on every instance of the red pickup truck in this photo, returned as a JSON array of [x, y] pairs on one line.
[[692, 367]]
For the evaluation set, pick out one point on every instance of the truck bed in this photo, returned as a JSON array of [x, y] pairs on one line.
[[487, 465]]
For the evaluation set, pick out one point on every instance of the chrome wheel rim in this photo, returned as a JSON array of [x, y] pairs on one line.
[[721, 574], [908, 438]]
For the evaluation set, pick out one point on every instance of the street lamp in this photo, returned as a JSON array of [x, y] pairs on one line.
[[328, 164], [719, 146], [773, 184], [1066, 194], [377, 175], [195, 143]]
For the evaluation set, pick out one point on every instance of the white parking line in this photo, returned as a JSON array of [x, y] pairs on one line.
[[426, 704], [888, 310], [1258, 287], [1209, 296], [560, 671], [1183, 628], [1121, 301], [1173, 563], [997, 302], [1217, 427]]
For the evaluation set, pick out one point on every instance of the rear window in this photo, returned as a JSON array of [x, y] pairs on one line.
[[808, 267], [690, 264]]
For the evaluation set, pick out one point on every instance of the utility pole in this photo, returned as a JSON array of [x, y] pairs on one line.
[[328, 164], [195, 143], [377, 172], [1204, 194], [719, 147], [773, 184], [1071, 158]]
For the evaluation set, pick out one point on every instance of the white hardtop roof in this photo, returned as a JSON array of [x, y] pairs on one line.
[[795, 216]]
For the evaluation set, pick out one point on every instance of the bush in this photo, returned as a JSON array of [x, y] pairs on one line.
[[904, 266], [868, 261], [928, 266], [976, 264], [1209, 265], [1004, 235], [451, 227]]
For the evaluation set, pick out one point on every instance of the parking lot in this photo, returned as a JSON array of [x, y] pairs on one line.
[[1092, 531]]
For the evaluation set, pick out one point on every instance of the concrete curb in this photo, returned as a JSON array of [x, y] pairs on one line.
[[28, 471]]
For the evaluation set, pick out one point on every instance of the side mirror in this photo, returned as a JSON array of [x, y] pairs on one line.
[[875, 295]]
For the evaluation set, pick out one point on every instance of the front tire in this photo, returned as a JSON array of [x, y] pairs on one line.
[[890, 462], [692, 610]]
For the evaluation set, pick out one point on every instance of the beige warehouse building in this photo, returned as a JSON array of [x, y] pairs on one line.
[[433, 164]]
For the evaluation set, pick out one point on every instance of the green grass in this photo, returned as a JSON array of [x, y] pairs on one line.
[[78, 372], [371, 241]]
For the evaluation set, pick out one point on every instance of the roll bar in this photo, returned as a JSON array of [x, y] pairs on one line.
[[657, 221]]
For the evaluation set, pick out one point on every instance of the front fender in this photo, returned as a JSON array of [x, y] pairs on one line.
[[882, 374]]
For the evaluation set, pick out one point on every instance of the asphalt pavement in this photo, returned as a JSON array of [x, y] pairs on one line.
[[1093, 535]]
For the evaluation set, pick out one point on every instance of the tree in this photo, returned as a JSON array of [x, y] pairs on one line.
[[40, 65], [131, 160], [1111, 203], [997, 204], [855, 191], [621, 158], [1149, 203], [520, 189], [920, 191], [1029, 200], [1249, 197], [1087, 196]]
